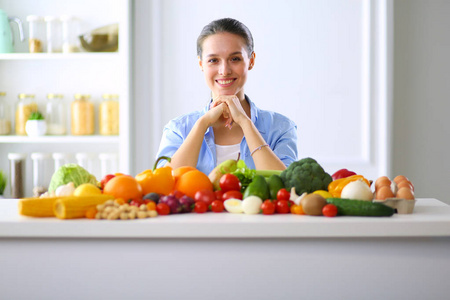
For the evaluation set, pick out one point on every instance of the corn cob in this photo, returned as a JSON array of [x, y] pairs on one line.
[[37, 207], [76, 206]]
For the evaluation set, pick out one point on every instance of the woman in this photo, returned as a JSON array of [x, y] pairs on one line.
[[230, 126]]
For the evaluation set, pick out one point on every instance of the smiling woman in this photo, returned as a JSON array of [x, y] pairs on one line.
[[263, 139]]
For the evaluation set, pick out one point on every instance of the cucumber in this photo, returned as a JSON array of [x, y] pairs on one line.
[[350, 207]]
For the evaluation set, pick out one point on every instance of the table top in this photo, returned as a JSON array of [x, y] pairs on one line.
[[431, 217]]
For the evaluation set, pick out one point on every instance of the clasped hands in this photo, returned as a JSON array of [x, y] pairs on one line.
[[229, 107]]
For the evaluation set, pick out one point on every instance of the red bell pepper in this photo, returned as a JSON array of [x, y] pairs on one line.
[[342, 173]]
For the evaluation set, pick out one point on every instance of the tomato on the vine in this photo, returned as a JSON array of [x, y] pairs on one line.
[[162, 209], [282, 207], [217, 206], [268, 207], [229, 182], [232, 194], [200, 207], [206, 196], [330, 210], [283, 194]]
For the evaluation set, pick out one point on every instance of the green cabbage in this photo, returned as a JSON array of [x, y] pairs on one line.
[[71, 173]]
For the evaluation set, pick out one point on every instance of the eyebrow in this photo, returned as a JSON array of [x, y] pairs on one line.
[[234, 53]]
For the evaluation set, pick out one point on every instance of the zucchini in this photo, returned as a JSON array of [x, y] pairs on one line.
[[350, 207]]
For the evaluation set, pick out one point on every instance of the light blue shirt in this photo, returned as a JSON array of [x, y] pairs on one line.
[[277, 130]]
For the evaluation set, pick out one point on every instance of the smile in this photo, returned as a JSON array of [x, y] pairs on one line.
[[225, 82]]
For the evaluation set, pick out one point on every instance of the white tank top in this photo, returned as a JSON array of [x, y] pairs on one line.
[[225, 152]]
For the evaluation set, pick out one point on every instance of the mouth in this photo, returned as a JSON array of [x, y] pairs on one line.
[[225, 82]]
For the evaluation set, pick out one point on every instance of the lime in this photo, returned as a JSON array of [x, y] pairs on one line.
[[87, 189]]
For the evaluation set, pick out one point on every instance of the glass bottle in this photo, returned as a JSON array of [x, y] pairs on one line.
[[25, 106], [82, 110], [85, 160], [70, 32], [55, 114], [54, 34], [17, 174], [109, 115], [36, 34], [108, 163], [60, 159], [5, 115], [40, 178]]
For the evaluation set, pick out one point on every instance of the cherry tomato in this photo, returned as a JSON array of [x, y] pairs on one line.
[[200, 207], [162, 209], [206, 196], [268, 207], [137, 202], [297, 209], [217, 206], [283, 194], [229, 182], [219, 195], [232, 194], [282, 207], [106, 179], [330, 210]]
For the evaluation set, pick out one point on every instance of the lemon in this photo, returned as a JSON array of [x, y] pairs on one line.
[[87, 189], [323, 193], [233, 206]]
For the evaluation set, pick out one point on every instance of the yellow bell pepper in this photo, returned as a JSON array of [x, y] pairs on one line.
[[335, 187], [158, 180]]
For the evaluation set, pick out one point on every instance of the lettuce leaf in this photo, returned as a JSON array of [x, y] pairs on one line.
[[71, 173]]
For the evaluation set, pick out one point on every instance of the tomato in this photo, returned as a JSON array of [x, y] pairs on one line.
[[106, 179], [232, 194], [297, 209], [268, 207], [137, 202], [283, 194], [219, 195], [229, 182], [162, 209], [217, 206], [206, 196], [200, 207], [282, 207], [330, 210]]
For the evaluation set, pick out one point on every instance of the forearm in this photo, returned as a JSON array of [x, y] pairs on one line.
[[264, 158], [187, 154]]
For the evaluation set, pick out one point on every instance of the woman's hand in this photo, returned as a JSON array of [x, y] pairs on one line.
[[233, 112], [218, 112]]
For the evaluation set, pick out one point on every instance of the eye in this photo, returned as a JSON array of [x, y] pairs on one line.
[[212, 60], [236, 58]]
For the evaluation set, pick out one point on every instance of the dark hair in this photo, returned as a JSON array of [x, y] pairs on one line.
[[226, 25]]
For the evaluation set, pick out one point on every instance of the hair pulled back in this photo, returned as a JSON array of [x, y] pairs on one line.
[[228, 25]]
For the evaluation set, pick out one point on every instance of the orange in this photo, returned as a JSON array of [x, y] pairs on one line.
[[176, 173], [123, 186], [192, 181]]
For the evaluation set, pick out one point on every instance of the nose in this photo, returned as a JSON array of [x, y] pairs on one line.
[[224, 68]]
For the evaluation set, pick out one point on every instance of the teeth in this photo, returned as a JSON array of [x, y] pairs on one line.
[[225, 81]]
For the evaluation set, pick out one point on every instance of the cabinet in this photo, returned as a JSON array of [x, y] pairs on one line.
[[69, 73]]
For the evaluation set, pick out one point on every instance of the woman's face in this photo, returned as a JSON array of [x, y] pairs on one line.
[[225, 63]]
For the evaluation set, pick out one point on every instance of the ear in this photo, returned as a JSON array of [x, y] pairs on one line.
[[200, 64], [252, 61]]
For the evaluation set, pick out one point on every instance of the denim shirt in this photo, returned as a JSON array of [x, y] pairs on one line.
[[277, 130]]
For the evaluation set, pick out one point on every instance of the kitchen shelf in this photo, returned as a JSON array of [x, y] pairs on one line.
[[60, 139], [55, 56]]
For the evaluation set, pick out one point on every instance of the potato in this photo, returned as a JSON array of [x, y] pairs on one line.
[[312, 204]]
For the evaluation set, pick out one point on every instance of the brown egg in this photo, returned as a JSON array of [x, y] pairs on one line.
[[384, 192], [399, 178], [405, 183], [382, 181], [405, 193]]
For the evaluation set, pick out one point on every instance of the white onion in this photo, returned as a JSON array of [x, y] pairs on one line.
[[357, 190]]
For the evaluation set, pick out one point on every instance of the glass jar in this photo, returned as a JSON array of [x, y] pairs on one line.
[[86, 160], [60, 159], [40, 178], [108, 163], [109, 115], [70, 32], [5, 115], [17, 174], [25, 106], [55, 114], [82, 111], [54, 34], [36, 34]]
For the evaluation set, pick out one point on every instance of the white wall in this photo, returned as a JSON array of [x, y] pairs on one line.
[[421, 95]]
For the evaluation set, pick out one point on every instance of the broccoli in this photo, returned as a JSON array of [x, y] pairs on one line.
[[306, 175]]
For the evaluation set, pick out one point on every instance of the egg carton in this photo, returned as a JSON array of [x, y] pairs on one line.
[[401, 206]]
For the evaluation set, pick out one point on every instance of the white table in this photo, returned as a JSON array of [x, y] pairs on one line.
[[226, 256]]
